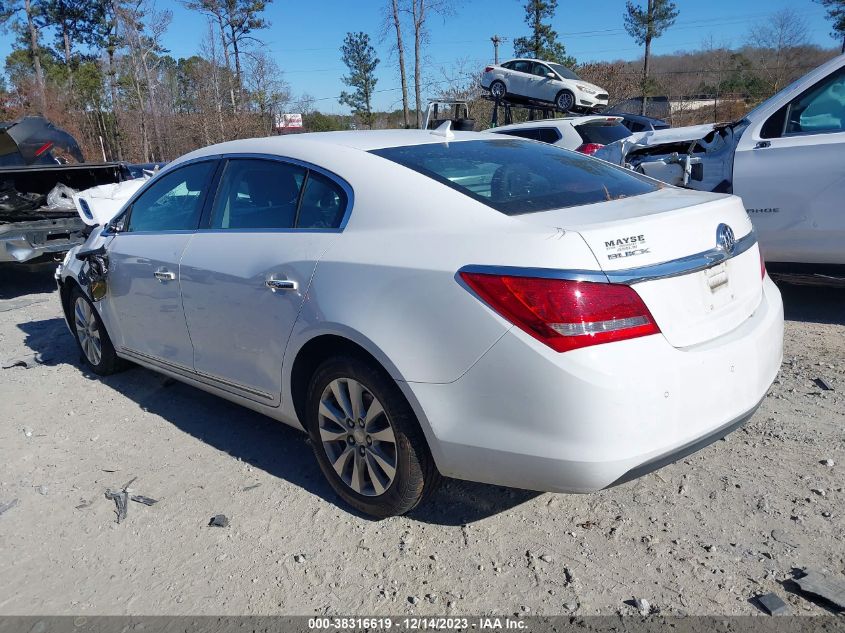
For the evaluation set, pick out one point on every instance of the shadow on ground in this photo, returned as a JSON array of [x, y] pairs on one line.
[[813, 304], [19, 280], [262, 442]]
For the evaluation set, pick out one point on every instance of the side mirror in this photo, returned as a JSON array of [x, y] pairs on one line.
[[551, 76]]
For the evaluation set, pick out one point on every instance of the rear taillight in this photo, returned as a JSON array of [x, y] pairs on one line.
[[488, 69], [589, 148], [563, 314], [762, 266]]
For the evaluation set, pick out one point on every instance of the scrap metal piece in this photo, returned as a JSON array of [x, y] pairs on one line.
[[821, 382], [772, 604], [121, 500], [142, 499], [5, 507], [219, 520], [831, 589]]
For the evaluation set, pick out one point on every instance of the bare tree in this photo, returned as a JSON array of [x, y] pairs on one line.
[[214, 9], [780, 39], [393, 22], [419, 11]]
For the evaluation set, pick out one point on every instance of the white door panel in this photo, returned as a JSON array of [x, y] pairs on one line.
[[794, 191], [239, 326], [147, 308]]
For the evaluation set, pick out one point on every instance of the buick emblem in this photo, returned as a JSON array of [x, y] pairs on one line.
[[725, 239]]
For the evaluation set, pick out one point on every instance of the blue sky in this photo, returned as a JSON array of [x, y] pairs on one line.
[[305, 37]]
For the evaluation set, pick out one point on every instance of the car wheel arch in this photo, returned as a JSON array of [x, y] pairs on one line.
[[313, 352], [323, 346]]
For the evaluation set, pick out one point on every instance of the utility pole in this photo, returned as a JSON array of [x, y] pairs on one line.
[[496, 41]]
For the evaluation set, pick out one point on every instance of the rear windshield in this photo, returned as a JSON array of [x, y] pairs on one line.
[[603, 133], [515, 176]]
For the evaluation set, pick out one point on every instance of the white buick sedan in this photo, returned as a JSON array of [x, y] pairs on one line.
[[428, 303]]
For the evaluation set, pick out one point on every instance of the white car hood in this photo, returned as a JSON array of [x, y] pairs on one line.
[[98, 205]]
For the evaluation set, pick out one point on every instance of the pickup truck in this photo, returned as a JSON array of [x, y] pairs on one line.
[[785, 159], [32, 152]]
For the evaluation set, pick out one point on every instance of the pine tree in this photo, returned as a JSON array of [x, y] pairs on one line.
[[543, 42], [360, 58]]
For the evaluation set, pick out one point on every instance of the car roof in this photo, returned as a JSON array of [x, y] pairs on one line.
[[364, 140], [567, 120], [528, 59]]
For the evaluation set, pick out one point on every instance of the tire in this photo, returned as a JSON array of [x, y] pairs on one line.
[[565, 101], [498, 90], [93, 341], [387, 451]]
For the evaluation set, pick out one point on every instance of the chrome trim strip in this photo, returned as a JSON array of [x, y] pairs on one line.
[[196, 375], [542, 273], [682, 266], [665, 270]]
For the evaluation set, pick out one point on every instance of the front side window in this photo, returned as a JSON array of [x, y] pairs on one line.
[[515, 176], [564, 72], [541, 70], [174, 201], [821, 108], [257, 194]]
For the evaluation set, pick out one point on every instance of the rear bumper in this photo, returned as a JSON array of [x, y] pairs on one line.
[[24, 241], [527, 417]]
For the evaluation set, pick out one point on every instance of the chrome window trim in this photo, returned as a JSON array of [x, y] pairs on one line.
[[630, 276], [343, 184]]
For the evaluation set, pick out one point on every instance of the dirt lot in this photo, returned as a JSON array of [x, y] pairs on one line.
[[698, 537]]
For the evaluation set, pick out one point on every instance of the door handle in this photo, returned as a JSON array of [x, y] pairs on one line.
[[281, 284], [763, 144], [164, 275]]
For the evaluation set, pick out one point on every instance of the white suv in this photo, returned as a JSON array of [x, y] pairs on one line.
[[539, 80], [585, 134]]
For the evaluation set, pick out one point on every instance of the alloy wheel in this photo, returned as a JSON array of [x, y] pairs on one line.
[[87, 331], [565, 101], [357, 437], [498, 89]]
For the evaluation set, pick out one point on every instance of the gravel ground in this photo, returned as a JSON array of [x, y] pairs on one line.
[[701, 536]]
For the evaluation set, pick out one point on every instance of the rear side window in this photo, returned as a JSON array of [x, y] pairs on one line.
[[257, 194], [174, 201], [323, 203], [544, 134], [602, 133], [515, 176], [530, 133]]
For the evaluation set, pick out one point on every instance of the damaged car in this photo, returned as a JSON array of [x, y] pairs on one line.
[[41, 169], [428, 302], [785, 159]]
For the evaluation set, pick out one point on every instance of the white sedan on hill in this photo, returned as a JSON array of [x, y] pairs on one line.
[[437, 303], [538, 80]]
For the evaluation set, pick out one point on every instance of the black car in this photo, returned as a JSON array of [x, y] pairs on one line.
[[639, 122]]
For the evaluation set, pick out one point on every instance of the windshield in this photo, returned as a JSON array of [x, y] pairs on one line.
[[563, 71], [515, 176]]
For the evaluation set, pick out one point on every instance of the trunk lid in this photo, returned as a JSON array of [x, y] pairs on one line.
[[641, 232]]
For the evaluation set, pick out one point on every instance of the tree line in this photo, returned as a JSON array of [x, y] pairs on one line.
[[99, 69]]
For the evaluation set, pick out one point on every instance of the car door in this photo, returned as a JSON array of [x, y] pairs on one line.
[[544, 88], [790, 172], [520, 78], [246, 272], [143, 299]]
